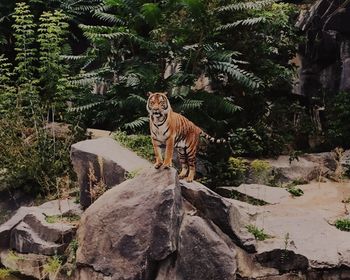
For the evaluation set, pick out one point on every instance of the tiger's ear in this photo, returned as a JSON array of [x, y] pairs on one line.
[[165, 93], [149, 94]]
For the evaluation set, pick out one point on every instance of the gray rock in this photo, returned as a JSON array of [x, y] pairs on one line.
[[222, 212], [28, 232], [325, 53], [297, 170], [203, 253], [27, 264], [303, 225], [25, 240], [131, 227], [102, 163]]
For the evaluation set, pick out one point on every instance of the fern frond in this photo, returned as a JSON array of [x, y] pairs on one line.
[[141, 121], [242, 76], [246, 6], [243, 22], [136, 99], [106, 17], [85, 107], [190, 104], [73, 57]]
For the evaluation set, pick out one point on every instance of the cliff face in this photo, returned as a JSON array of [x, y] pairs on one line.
[[325, 55]]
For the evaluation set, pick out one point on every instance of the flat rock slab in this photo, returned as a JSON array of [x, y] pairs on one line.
[[303, 226], [102, 162], [270, 195]]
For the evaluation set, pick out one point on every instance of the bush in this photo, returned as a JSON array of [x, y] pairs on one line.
[[337, 120], [140, 144]]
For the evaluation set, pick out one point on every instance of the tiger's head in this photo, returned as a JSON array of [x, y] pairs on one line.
[[158, 105]]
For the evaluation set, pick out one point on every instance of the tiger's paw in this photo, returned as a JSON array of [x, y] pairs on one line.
[[167, 165], [157, 165], [189, 180]]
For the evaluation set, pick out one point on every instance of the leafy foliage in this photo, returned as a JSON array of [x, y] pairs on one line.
[[337, 116], [31, 154]]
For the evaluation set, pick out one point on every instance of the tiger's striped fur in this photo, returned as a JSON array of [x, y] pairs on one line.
[[173, 130]]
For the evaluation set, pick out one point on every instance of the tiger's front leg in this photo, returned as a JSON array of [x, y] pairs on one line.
[[169, 150], [158, 154]]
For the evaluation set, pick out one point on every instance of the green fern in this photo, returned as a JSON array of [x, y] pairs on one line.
[[243, 22], [241, 6], [240, 75], [140, 122]]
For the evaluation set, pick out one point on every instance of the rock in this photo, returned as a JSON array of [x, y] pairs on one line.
[[263, 193], [155, 227], [202, 254], [102, 163], [223, 213], [27, 264], [303, 226], [326, 26], [130, 228], [28, 231], [297, 170]]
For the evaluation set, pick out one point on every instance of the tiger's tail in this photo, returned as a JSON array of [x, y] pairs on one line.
[[214, 140]]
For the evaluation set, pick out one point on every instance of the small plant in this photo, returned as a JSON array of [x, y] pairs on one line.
[[294, 155], [343, 224], [13, 256], [5, 273], [286, 243], [132, 174], [259, 234], [52, 267], [295, 191], [97, 187]]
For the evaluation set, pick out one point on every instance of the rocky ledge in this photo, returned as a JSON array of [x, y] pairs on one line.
[[155, 227]]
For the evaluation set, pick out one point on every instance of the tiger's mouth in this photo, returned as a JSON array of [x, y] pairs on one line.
[[157, 114]]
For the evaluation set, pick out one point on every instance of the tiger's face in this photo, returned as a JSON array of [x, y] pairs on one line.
[[158, 105]]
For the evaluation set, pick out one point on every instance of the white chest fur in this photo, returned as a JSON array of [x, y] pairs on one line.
[[161, 133]]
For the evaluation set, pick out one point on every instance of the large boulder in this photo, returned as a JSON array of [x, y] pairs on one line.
[[131, 227], [100, 164], [154, 227]]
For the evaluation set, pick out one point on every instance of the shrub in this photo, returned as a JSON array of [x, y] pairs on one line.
[[260, 171]]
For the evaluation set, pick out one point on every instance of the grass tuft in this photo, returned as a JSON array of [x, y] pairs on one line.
[[259, 234]]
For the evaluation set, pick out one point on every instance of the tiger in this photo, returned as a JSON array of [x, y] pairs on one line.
[[172, 130]]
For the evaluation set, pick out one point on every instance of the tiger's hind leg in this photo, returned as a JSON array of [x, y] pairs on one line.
[[183, 162], [192, 167]]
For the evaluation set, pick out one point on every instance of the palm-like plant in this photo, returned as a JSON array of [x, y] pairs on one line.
[[139, 41]]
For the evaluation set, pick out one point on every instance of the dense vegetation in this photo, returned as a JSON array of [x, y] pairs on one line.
[[225, 64]]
